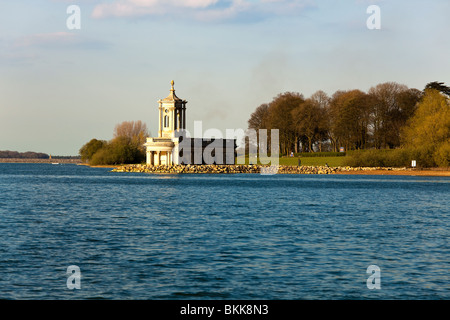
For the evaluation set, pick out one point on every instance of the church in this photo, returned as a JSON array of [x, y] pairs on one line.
[[173, 146]]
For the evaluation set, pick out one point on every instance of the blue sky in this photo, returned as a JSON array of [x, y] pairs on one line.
[[59, 88]]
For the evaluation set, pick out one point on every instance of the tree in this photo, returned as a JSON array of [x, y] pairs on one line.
[[118, 151], [258, 119], [280, 117], [89, 149], [23, 155], [388, 114], [428, 131], [309, 122], [332, 111], [322, 101], [406, 106], [349, 119], [135, 131], [438, 86], [127, 145], [352, 119]]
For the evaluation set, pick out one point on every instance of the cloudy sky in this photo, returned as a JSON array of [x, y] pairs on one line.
[[60, 87]]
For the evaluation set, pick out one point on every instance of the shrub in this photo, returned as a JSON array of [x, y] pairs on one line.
[[89, 149], [442, 155], [119, 151], [380, 158]]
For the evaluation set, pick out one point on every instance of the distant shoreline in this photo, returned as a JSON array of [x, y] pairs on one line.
[[56, 160]]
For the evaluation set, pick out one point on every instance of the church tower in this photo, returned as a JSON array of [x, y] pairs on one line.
[[172, 114], [171, 148]]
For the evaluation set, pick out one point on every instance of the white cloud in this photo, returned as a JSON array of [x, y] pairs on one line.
[[176, 3], [206, 10], [194, 3], [236, 7], [129, 8]]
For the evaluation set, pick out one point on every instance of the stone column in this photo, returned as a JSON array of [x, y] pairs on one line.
[[160, 120], [174, 156], [149, 159], [158, 158]]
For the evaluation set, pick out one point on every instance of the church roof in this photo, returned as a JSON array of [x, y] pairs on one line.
[[172, 96]]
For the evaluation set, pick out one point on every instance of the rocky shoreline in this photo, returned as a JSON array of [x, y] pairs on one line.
[[234, 169]]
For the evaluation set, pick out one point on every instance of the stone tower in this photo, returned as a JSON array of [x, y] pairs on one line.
[[172, 146], [172, 114]]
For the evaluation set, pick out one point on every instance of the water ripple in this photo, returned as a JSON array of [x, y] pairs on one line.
[[141, 236]]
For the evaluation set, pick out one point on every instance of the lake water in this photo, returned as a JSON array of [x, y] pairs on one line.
[[142, 236]]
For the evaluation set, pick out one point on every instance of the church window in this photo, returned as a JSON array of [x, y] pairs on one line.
[[166, 121]]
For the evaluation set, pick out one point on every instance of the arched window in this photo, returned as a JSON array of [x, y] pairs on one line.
[[166, 121]]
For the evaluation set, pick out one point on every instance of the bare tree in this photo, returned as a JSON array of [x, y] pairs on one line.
[[258, 118], [385, 108], [349, 123], [135, 131], [321, 99], [308, 121], [280, 117]]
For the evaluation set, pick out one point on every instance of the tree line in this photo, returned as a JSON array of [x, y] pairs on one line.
[[126, 146], [23, 155], [388, 116]]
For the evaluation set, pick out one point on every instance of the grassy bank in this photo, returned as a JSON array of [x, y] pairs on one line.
[[313, 161], [396, 158], [308, 161], [402, 157]]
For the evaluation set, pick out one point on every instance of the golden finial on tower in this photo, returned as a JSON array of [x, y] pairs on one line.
[[172, 83]]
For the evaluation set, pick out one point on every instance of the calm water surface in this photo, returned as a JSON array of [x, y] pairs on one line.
[[141, 236]]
